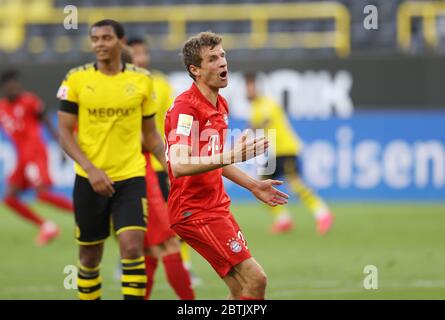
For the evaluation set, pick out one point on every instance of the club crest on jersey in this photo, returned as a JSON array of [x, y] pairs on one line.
[[234, 245], [130, 89]]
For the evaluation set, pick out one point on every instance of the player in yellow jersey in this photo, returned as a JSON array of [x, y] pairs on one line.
[[267, 114], [161, 242], [105, 107]]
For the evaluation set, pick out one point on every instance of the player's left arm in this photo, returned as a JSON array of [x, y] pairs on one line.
[[152, 141], [262, 190]]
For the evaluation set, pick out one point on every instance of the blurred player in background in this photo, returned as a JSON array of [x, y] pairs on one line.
[[199, 207], [161, 242], [105, 107], [21, 116], [267, 114]]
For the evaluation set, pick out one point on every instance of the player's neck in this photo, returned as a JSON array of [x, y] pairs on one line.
[[210, 93], [110, 68]]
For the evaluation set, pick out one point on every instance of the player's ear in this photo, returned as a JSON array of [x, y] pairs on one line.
[[194, 70]]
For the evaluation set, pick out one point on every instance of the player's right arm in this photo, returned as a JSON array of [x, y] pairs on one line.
[[68, 120], [184, 164], [98, 179]]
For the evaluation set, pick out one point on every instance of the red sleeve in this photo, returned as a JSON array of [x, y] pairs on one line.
[[182, 124], [35, 104]]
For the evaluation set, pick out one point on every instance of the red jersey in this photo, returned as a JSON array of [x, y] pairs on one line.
[[20, 121], [194, 121]]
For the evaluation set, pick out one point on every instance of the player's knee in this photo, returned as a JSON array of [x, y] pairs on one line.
[[131, 250], [90, 259], [257, 282], [172, 245]]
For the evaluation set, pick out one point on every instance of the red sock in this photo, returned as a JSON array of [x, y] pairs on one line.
[[21, 209], [56, 200], [249, 298], [178, 276], [150, 267]]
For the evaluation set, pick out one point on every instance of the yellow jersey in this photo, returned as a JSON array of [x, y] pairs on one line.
[[110, 110], [164, 99], [267, 114]]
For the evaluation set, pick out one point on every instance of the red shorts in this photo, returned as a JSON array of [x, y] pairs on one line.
[[158, 224], [217, 238], [31, 173]]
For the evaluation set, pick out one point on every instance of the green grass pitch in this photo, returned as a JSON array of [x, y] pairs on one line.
[[405, 241]]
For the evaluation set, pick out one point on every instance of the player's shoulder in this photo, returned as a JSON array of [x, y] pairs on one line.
[[79, 70], [160, 80], [183, 103], [137, 71], [29, 96]]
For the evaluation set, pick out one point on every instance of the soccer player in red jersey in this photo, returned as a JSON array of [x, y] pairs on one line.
[[195, 128], [161, 242], [21, 116]]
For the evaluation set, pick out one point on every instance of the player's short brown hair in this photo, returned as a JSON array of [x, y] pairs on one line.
[[191, 52]]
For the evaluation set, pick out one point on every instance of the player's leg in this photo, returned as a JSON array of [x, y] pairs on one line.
[[134, 278], [308, 197], [235, 287], [129, 213], [152, 254], [217, 239], [45, 195], [92, 217], [38, 175], [89, 282], [12, 201], [48, 230], [177, 275], [162, 180], [252, 278]]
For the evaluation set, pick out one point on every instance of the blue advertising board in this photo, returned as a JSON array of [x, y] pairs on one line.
[[370, 156]]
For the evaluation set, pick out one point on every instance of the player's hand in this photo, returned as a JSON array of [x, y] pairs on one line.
[[100, 182], [246, 148], [266, 192]]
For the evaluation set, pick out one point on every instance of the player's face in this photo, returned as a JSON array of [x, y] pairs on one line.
[[213, 71], [140, 55], [11, 89], [106, 45]]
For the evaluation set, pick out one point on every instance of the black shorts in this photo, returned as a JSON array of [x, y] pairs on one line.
[[96, 214], [163, 184], [285, 165]]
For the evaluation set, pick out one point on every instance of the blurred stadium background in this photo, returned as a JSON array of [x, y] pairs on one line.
[[368, 104]]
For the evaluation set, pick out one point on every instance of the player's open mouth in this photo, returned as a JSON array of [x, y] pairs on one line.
[[223, 75]]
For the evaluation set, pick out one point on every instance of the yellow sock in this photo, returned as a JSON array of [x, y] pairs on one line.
[[89, 283], [134, 279], [309, 199], [185, 255]]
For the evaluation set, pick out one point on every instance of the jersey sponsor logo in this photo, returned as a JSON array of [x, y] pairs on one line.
[[185, 122], [62, 93], [110, 112], [234, 245]]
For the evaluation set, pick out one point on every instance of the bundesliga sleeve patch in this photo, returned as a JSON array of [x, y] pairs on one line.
[[62, 94], [184, 124]]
